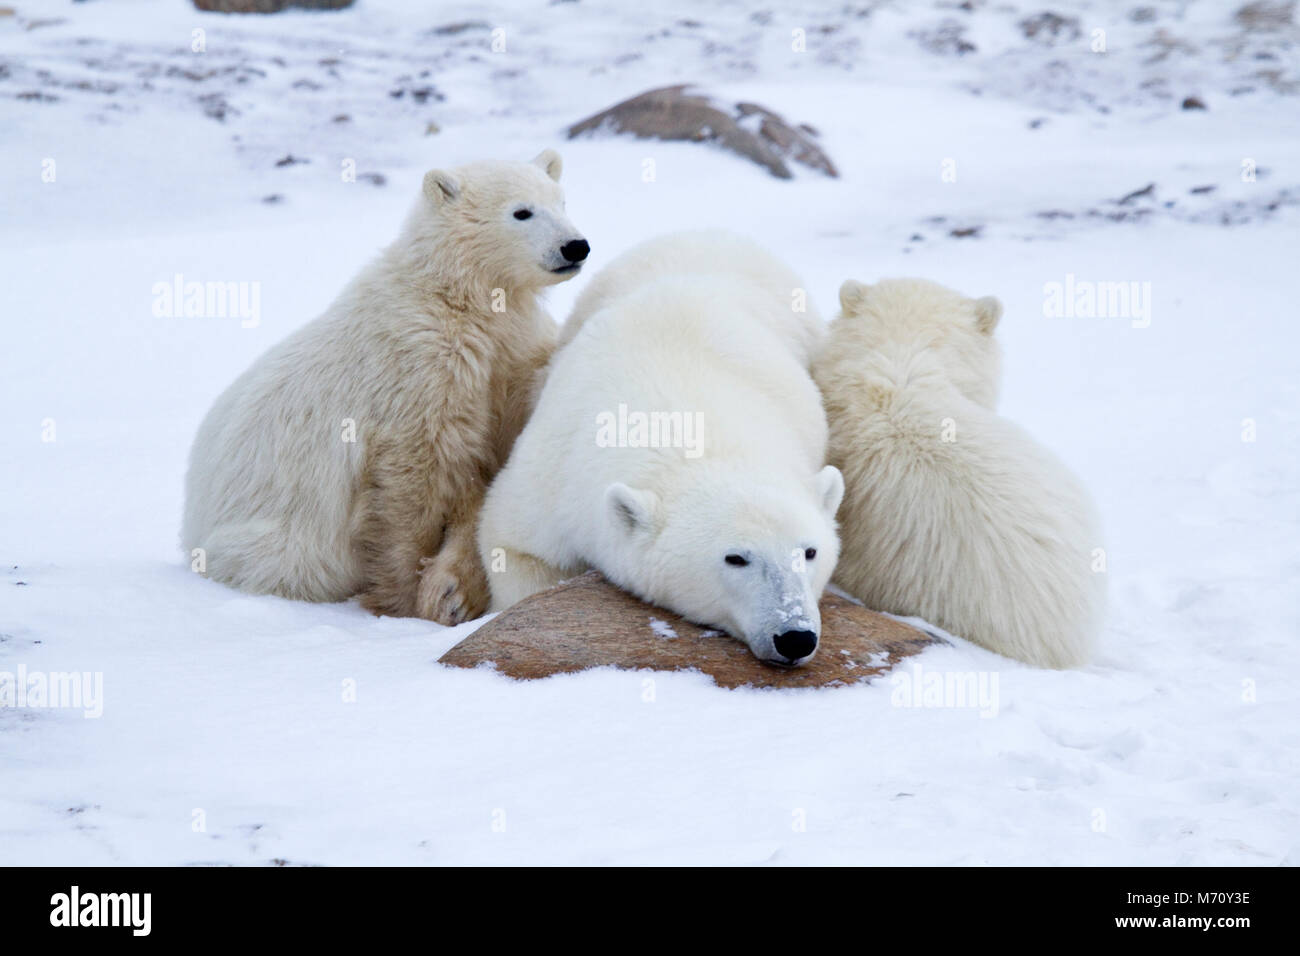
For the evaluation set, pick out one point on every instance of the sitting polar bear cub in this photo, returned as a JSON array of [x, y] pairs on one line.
[[353, 456], [951, 512], [678, 447]]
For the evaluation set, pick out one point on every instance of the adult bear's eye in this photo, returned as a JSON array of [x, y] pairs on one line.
[[737, 560], [809, 553], [523, 213]]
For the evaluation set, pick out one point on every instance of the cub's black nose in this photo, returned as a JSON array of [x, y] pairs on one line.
[[575, 250], [792, 645]]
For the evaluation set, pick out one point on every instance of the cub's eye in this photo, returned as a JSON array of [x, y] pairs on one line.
[[736, 560], [523, 213], [809, 553]]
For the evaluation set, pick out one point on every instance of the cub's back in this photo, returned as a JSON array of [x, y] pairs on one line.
[[981, 530]]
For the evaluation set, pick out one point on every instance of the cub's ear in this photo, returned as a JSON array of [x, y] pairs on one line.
[[440, 186], [631, 509], [550, 162], [852, 295], [987, 312], [830, 489]]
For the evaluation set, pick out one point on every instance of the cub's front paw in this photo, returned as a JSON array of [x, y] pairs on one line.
[[453, 589]]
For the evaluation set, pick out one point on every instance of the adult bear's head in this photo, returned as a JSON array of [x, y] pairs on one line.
[[750, 556]]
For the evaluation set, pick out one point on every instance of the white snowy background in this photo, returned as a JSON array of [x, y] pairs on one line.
[[1178, 745]]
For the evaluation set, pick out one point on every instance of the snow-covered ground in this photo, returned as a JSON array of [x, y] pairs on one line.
[[252, 730]]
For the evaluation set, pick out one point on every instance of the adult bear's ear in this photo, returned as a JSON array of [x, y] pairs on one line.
[[630, 509], [440, 186], [852, 295], [550, 162], [987, 312], [830, 489]]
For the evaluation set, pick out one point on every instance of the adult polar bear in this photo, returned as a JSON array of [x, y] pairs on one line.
[[738, 532], [352, 457]]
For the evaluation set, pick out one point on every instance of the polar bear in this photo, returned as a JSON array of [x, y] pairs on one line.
[[353, 456], [678, 446], [951, 512], [705, 251]]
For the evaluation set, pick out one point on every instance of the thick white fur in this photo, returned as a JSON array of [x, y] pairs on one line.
[[704, 338], [707, 253], [433, 353], [988, 535]]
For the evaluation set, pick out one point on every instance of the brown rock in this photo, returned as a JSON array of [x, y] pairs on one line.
[[587, 622], [676, 113]]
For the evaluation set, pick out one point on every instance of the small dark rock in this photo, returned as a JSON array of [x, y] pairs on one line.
[[215, 107], [1050, 28], [1146, 192], [949, 37], [1193, 103], [452, 29], [1265, 16], [268, 6]]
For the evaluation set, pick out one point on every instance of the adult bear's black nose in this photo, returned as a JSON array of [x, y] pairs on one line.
[[575, 250], [794, 645]]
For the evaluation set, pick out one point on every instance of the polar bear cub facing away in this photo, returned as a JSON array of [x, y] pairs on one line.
[[735, 531], [352, 457], [950, 511]]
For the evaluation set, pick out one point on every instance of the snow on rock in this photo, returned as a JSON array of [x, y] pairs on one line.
[[662, 628]]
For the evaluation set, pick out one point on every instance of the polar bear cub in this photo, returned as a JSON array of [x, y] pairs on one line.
[[352, 457], [678, 447], [951, 512]]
